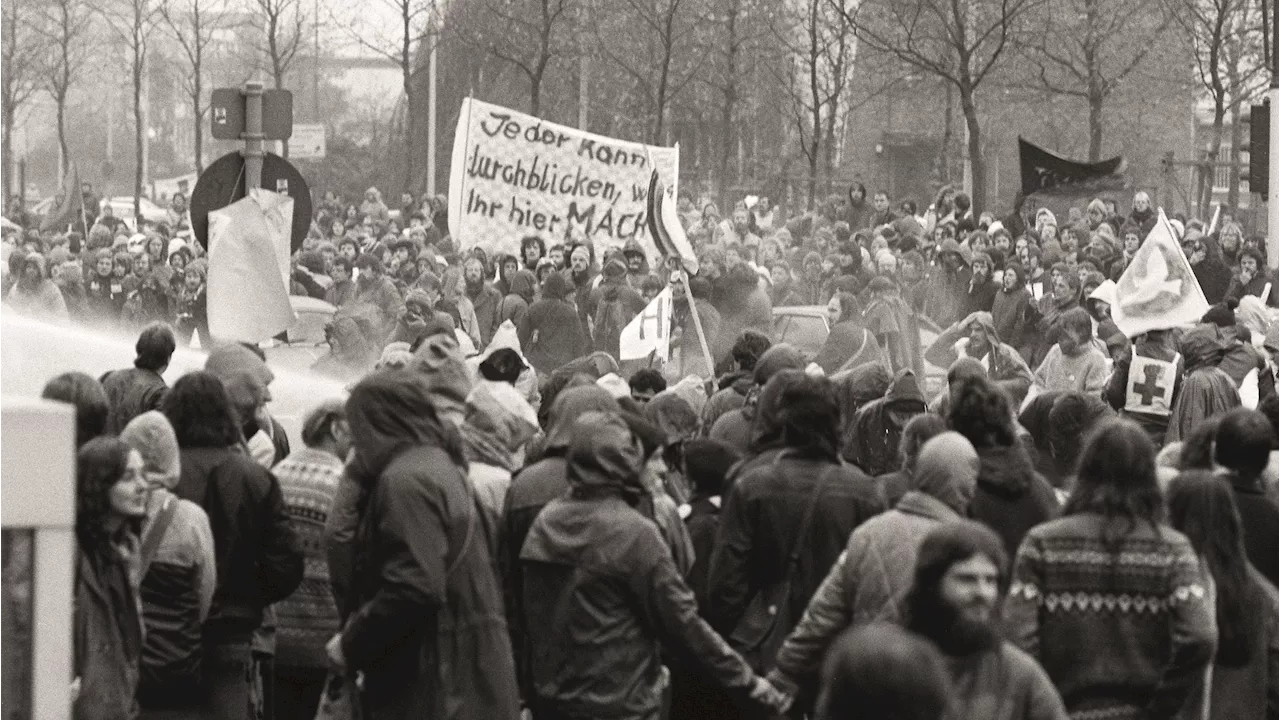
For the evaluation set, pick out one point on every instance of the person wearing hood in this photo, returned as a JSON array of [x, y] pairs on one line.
[[532, 488], [975, 337], [871, 440], [870, 581], [1144, 395], [498, 424], [637, 263], [551, 333], [606, 661], [849, 344], [426, 624], [516, 304], [350, 354], [177, 573], [734, 426], [857, 211], [420, 318], [948, 285], [786, 519], [378, 290], [1206, 390], [734, 386], [248, 379], [373, 208], [1012, 497], [612, 305], [35, 295], [259, 561], [584, 276], [1012, 306]]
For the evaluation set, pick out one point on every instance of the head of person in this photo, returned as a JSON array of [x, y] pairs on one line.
[[556, 254], [880, 201], [1251, 261], [1077, 328], [706, 465], [981, 267], [955, 595], [645, 383], [349, 248], [581, 256], [982, 412], [155, 347], [748, 349], [883, 671], [371, 269], [1116, 478], [741, 218], [152, 436], [806, 416], [86, 395], [325, 428], [390, 410], [340, 269], [842, 307], [918, 431], [200, 411], [946, 469], [1243, 443], [111, 494], [604, 458], [1141, 202], [1202, 506]]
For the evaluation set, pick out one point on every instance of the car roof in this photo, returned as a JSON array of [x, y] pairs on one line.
[[805, 310]]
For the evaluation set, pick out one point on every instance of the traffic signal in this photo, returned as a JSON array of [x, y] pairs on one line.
[[1260, 148]]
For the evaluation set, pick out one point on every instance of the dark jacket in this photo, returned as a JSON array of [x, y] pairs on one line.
[[258, 556], [108, 638], [131, 392], [980, 297], [1009, 312], [427, 629], [761, 523], [872, 438], [1260, 524], [731, 396], [488, 304], [551, 333], [1011, 497]]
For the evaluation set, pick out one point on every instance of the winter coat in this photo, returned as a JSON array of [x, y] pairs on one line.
[[107, 637], [341, 293], [848, 345], [383, 295], [1002, 684], [1255, 286], [1012, 497], [258, 554], [1009, 314], [44, 301], [731, 396], [1249, 691], [131, 392], [871, 440], [1004, 364], [761, 523], [1259, 524], [488, 305], [551, 334], [980, 298], [602, 583], [868, 582]]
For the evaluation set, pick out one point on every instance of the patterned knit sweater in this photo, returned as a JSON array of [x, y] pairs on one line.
[[1123, 632]]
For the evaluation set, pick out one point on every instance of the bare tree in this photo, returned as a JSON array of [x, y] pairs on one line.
[[528, 34], [64, 25], [192, 23], [1227, 50], [959, 42], [736, 27], [1087, 48], [652, 43], [409, 48], [20, 69], [283, 29], [134, 22]]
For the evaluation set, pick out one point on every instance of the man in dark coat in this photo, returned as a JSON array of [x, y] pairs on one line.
[[981, 294], [603, 594], [551, 334], [484, 298], [801, 501], [136, 390], [732, 388], [1243, 445], [426, 628], [877, 427]]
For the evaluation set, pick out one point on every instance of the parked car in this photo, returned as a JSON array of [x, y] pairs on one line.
[[806, 327], [121, 207]]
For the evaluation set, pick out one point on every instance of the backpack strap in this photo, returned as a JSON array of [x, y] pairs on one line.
[[796, 546], [151, 543]]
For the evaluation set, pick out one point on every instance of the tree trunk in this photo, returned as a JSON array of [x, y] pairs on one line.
[[1205, 198], [61, 101], [8, 154], [977, 166], [138, 132], [1096, 100], [1237, 137], [411, 127], [730, 101], [948, 135], [535, 94], [660, 127]]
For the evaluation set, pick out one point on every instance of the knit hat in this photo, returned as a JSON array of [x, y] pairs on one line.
[[152, 436]]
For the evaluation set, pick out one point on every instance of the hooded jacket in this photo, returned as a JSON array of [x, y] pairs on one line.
[[1012, 497], [517, 302], [945, 293], [551, 333], [44, 300], [735, 426], [606, 594], [1009, 311], [871, 440], [427, 628], [871, 579], [1004, 364], [499, 422], [1206, 390], [531, 490]]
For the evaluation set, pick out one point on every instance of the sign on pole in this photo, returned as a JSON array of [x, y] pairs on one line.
[[514, 174], [227, 114], [307, 142]]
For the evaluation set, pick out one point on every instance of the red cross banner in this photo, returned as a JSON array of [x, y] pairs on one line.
[[1150, 385], [1158, 290], [650, 331], [514, 175]]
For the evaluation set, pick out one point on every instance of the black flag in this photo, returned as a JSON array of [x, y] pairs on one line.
[[1045, 172]]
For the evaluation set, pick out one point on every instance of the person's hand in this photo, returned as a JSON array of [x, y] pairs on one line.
[[334, 651], [763, 692]]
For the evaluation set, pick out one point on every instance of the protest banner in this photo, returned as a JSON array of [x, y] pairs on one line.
[[650, 331], [1158, 290], [514, 175], [68, 203], [248, 283]]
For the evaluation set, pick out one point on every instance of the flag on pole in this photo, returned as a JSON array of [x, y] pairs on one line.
[[664, 226], [1158, 290], [650, 331], [248, 285], [67, 204]]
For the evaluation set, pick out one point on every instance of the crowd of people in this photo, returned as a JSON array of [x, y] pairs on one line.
[[500, 517]]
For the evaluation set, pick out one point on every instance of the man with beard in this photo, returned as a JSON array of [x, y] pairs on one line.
[[532, 249], [883, 213], [637, 263], [982, 288], [976, 337], [1065, 297], [954, 603], [738, 229], [613, 304], [584, 278], [742, 305], [484, 298], [947, 286], [376, 289], [35, 295]]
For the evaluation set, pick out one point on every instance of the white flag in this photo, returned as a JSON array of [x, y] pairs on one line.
[[248, 284], [1158, 290], [650, 331]]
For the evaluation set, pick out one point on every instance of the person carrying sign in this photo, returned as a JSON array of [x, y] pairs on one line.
[[1145, 382]]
